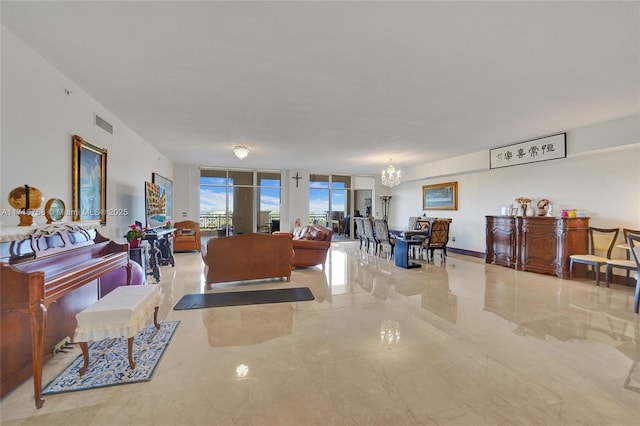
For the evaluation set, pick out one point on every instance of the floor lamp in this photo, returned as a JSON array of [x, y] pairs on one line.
[[386, 199]]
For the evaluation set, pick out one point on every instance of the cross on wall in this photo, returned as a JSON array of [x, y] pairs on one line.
[[297, 177]]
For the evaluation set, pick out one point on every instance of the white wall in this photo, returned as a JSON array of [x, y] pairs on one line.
[[186, 193], [295, 199], [601, 176], [38, 123]]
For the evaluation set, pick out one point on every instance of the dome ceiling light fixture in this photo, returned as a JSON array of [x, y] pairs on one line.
[[241, 151], [390, 176]]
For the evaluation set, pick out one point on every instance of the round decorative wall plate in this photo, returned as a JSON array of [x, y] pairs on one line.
[[54, 210]]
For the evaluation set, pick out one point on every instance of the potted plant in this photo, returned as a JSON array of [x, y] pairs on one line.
[[135, 235]]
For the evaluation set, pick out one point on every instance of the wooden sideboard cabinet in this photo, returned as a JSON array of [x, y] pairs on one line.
[[502, 241], [536, 244]]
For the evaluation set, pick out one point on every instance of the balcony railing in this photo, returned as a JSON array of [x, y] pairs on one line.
[[220, 221], [217, 221], [214, 221], [320, 219]]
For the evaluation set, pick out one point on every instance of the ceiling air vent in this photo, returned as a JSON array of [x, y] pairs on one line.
[[103, 124]]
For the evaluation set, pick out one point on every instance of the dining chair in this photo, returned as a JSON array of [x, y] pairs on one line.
[[422, 229], [384, 238], [627, 264], [634, 248], [358, 223], [601, 242], [424, 223], [413, 223], [370, 236], [437, 239]]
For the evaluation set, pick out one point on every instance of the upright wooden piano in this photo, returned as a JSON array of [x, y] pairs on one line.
[[46, 278]]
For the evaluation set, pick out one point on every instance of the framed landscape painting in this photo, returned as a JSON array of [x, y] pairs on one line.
[[89, 181], [441, 196]]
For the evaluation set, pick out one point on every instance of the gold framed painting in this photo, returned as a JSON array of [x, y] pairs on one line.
[[89, 180], [441, 196]]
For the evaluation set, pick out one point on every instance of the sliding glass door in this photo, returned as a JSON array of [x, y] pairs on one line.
[[319, 199], [340, 202], [214, 202], [236, 202], [269, 200], [329, 200]]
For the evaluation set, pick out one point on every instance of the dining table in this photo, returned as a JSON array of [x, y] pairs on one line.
[[402, 250], [408, 235]]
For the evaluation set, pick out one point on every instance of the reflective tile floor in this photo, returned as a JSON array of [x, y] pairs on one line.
[[461, 343]]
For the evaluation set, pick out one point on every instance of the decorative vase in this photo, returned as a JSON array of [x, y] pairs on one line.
[[529, 210], [135, 243], [522, 211]]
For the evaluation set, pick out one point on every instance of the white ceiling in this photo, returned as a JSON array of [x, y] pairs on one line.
[[342, 86]]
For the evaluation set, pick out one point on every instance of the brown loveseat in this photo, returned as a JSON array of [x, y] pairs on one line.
[[310, 244], [248, 257], [187, 236]]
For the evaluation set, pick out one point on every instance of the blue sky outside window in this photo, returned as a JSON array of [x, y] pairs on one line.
[[213, 192]]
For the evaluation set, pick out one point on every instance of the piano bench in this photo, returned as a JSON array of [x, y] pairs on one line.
[[121, 313]]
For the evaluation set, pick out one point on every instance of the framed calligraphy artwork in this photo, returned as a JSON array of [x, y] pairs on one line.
[[531, 151]]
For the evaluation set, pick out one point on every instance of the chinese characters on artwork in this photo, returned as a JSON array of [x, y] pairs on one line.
[[531, 152], [547, 148]]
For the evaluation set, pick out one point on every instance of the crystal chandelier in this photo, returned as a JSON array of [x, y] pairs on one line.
[[241, 151], [390, 176]]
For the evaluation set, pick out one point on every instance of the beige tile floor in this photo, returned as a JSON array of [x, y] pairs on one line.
[[478, 345]]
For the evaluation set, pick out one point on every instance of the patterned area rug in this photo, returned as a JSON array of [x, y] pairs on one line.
[[109, 363]]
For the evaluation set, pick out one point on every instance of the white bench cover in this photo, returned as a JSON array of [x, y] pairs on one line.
[[120, 313]]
